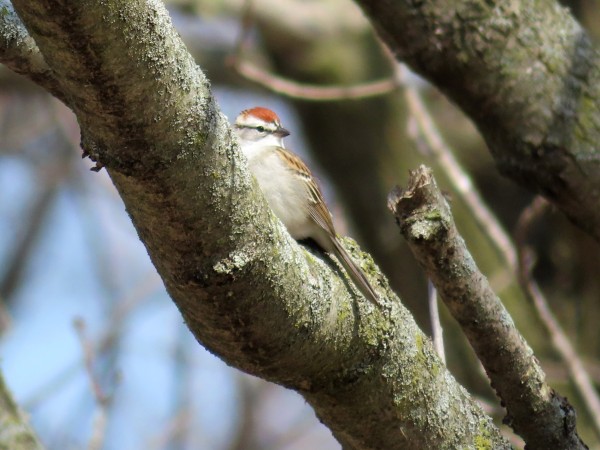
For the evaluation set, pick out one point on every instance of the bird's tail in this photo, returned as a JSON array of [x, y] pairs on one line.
[[356, 274]]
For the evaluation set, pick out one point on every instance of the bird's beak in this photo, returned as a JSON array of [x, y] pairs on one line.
[[281, 132]]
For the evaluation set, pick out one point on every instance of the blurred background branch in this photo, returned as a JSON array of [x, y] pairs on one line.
[[577, 371]]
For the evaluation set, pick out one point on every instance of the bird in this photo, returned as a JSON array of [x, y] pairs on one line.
[[291, 190]]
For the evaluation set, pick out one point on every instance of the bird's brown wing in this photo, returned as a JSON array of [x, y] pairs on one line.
[[317, 208], [320, 214]]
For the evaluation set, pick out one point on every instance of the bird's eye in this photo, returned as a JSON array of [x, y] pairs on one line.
[[260, 129]]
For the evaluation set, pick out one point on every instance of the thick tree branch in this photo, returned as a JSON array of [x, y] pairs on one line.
[[19, 52], [538, 414], [247, 291], [526, 73]]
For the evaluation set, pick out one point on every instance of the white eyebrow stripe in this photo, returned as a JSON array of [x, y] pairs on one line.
[[253, 122]]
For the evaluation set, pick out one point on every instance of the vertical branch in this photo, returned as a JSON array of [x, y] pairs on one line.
[[103, 400], [181, 406], [436, 326], [244, 437]]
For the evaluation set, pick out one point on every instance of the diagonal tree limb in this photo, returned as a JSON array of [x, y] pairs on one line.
[[247, 291], [538, 414], [19, 52], [527, 75]]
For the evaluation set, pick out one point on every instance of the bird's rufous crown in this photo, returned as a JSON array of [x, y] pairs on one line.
[[261, 113]]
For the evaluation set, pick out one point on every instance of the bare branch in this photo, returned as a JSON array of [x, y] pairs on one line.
[[301, 91], [173, 427], [559, 339], [123, 308], [437, 333], [103, 400], [293, 89], [542, 417]]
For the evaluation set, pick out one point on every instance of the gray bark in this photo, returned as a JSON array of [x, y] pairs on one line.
[[534, 410], [246, 290], [527, 75], [20, 53]]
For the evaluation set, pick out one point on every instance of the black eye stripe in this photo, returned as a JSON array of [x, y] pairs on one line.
[[259, 128]]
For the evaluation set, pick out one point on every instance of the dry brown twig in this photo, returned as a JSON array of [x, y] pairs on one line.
[[294, 89], [560, 342], [49, 176]]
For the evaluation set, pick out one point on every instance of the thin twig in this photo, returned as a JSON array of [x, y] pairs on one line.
[[294, 89], [301, 91], [125, 306], [560, 342], [246, 22], [49, 179], [102, 399], [437, 333], [436, 146], [181, 401], [172, 428]]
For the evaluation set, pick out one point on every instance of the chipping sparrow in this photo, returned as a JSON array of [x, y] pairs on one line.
[[290, 189]]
